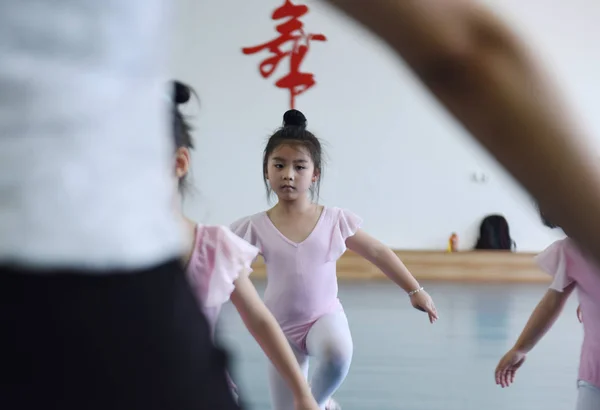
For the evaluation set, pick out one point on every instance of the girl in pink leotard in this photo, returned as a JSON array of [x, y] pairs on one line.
[[218, 265], [572, 270], [300, 242]]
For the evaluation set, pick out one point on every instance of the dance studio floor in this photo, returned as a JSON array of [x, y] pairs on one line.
[[403, 362]]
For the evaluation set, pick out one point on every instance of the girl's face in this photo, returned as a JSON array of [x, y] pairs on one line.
[[291, 172]]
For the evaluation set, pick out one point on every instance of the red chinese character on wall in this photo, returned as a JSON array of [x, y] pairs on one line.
[[290, 31]]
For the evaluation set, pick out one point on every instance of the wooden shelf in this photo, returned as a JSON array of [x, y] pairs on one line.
[[483, 266]]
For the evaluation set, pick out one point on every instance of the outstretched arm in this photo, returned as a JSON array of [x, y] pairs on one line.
[[389, 263], [540, 321], [542, 318], [265, 329], [484, 75]]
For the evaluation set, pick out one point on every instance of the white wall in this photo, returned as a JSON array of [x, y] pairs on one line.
[[395, 157]]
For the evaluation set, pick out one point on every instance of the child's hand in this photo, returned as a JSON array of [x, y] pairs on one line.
[[423, 302], [579, 314], [508, 366]]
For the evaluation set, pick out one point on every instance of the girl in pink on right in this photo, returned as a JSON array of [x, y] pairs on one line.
[[571, 270]]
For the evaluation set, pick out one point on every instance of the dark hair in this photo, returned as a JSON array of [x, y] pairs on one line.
[[181, 127], [294, 132], [494, 233], [547, 222], [181, 94]]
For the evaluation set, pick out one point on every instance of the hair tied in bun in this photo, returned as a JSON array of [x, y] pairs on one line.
[[181, 92], [294, 118]]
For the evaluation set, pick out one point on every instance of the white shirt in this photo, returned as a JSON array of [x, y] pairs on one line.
[[86, 156]]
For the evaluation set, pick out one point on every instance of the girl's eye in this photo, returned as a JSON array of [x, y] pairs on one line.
[[300, 167], [278, 166]]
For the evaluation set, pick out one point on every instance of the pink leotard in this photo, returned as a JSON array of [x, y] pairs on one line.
[[302, 280], [218, 258], [568, 265]]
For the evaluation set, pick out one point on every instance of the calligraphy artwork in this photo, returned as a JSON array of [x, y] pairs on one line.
[[291, 34]]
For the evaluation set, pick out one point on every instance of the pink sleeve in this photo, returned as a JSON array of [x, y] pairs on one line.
[[245, 230], [554, 261], [346, 226], [228, 257], [349, 223]]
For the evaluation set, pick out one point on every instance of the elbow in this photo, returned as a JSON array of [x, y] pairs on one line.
[[256, 322], [446, 71], [453, 70]]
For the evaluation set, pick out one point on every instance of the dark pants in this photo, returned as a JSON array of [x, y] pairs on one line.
[[121, 340]]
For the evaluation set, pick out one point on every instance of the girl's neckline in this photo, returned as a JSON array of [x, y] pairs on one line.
[[288, 240]]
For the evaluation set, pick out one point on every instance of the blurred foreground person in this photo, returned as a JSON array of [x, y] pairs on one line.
[[486, 77], [95, 309]]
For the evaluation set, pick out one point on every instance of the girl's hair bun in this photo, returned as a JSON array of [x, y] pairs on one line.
[[181, 92], [294, 118]]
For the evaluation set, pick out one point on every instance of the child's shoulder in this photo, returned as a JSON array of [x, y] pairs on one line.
[[560, 256], [345, 215], [213, 234], [221, 256], [559, 244], [250, 227], [346, 222], [247, 221], [338, 211], [563, 246], [220, 238], [555, 251]]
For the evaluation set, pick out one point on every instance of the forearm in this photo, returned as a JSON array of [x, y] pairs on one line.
[[389, 263], [541, 320], [487, 79], [506, 102], [265, 329]]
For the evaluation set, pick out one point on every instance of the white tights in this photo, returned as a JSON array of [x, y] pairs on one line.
[[329, 341], [588, 397]]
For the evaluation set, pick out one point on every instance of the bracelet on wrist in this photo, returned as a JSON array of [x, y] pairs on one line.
[[414, 292]]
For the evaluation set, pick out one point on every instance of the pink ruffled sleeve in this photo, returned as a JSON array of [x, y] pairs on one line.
[[346, 224], [244, 228], [554, 261], [226, 257]]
